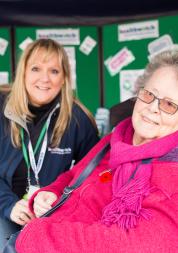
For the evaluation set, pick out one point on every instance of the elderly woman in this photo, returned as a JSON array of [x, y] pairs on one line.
[[135, 209]]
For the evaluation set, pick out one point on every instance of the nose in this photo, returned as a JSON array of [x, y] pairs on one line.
[[154, 106], [45, 76]]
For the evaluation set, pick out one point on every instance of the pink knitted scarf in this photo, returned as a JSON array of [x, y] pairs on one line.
[[131, 180]]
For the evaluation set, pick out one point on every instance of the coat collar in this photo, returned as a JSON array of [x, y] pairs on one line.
[[11, 115]]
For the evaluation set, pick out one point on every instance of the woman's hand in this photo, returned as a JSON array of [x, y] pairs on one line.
[[20, 213], [43, 202]]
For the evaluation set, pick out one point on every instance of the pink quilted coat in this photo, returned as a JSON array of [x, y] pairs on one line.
[[76, 226]]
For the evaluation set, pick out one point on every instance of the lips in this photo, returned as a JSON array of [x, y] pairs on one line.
[[150, 121], [42, 88]]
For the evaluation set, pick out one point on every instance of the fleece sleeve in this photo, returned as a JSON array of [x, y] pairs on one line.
[[7, 199]]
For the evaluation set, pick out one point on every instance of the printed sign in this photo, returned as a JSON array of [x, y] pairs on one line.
[[159, 45], [4, 77], [63, 36], [118, 61], [87, 45], [3, 46], [72, 61], [127, 83], [106, 62], [138, 30], [25, 43]]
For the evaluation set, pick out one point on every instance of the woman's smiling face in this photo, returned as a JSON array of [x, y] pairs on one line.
[[148, 120], [44, 78]]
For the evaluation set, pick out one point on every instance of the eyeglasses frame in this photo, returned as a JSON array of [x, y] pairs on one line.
[[156, 98]]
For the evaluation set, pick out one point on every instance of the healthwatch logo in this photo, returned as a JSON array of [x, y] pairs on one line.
[[138, 30], [60, 151]]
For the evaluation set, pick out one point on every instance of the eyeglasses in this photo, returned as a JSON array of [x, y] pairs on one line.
[[163, 104]]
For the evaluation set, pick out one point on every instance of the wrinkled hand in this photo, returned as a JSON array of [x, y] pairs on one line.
[[43, 202], [20, 213]]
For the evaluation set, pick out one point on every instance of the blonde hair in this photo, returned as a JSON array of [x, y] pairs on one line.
[[168, 58], [18, 97]]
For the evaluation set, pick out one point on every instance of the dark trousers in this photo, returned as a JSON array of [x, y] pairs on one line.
[[6, 229]]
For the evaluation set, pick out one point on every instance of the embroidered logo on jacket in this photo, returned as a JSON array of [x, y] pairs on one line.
[[60, 151]]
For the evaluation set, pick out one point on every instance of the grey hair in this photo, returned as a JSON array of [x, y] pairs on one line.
[[168, 58]]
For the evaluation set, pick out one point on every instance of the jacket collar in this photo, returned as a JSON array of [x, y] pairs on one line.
[[11, 115]]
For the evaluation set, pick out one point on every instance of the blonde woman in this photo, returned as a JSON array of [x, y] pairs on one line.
[[44, 130]]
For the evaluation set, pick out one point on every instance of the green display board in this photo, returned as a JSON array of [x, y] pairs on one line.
[[87, 66], [138, 47], [5, 56]]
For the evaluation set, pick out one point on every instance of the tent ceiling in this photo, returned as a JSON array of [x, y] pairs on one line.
[[26, 12]]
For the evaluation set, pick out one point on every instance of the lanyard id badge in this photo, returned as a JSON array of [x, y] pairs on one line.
[[29, 155], [37, 167], [32, 189]]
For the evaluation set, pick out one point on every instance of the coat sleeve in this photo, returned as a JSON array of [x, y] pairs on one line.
[[7, 199], [56, 187], [156, 235], [68, 177]]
